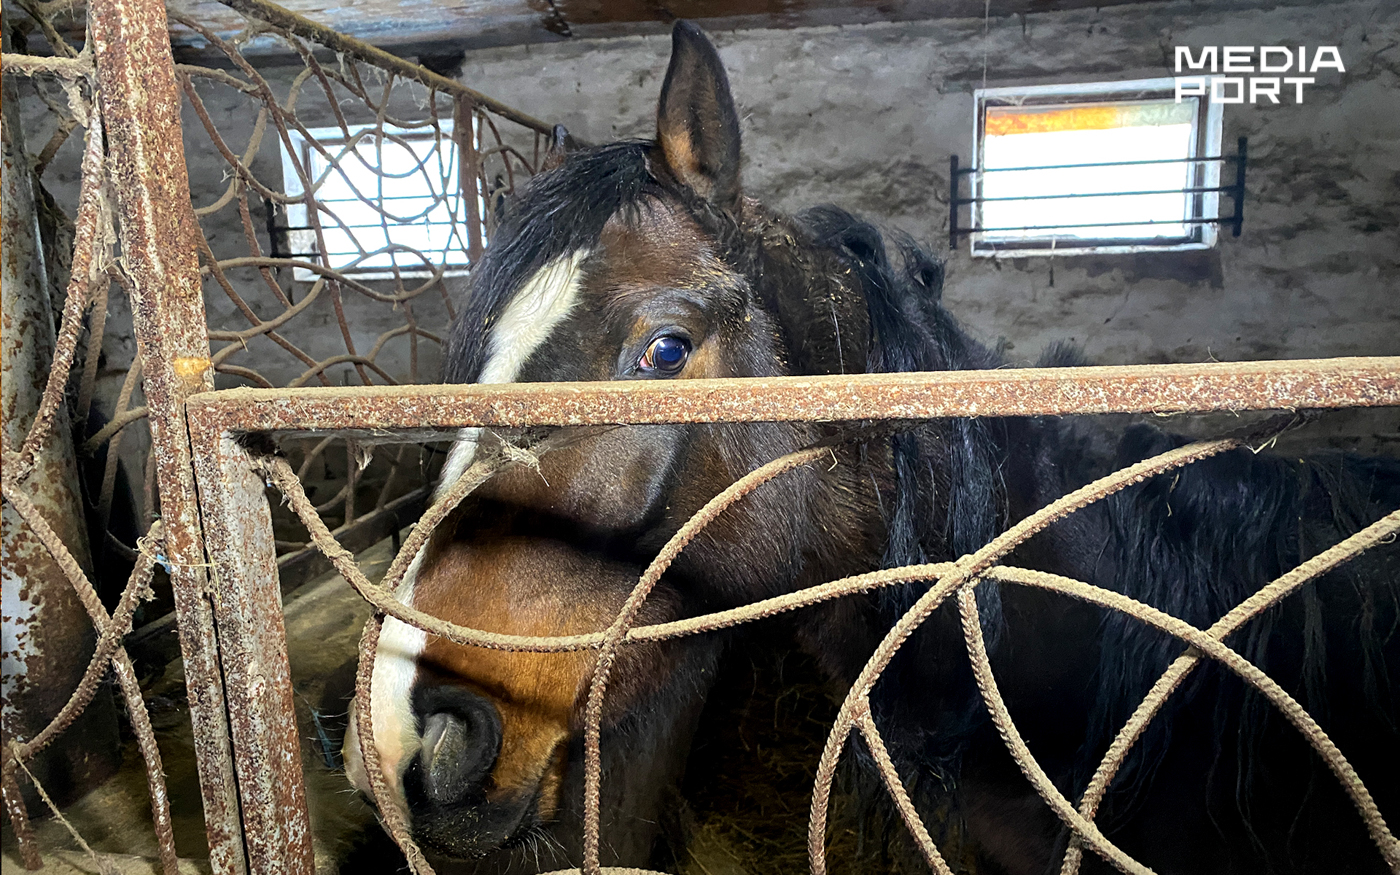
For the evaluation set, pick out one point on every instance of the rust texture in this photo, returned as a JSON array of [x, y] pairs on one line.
[[1198, 388], [366, 104], [951, 579], [140, 108], [108, 650], [464, 123], [239, 695], [253, 648], [47, 637]]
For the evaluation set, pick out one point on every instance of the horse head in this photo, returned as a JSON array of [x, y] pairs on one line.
[[631, 261]]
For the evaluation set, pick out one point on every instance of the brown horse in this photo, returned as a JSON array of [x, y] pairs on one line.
[[644, 261]]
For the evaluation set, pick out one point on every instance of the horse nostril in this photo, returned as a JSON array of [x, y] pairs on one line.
[[461, 739], [452, 757]]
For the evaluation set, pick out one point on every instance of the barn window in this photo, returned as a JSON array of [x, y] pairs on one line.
[[388, 200], [1103, 167]]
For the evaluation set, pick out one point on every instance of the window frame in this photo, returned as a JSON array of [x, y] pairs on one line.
[[1207, 144], [335, 140]]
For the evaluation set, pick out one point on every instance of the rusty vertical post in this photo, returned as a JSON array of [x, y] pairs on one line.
[[257, 677], [47, 637], [140, 107], [470, 183]]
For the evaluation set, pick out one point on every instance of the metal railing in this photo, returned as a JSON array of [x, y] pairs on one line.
[[1235, 190], [232, 478]]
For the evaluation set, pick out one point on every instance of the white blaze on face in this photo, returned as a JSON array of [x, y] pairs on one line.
[[532, 315], [527, 321], [395, 662]]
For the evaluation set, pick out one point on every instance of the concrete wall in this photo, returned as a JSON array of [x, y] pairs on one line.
[[866, 117]]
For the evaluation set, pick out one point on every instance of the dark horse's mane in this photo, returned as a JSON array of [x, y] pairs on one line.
[[1198, 542], [1193, 542], [949, 493]]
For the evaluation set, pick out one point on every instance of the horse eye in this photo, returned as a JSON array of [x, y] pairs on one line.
[[665, 355]]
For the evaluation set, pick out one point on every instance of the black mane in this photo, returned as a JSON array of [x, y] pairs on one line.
[[1194, 543], [1197, 542]]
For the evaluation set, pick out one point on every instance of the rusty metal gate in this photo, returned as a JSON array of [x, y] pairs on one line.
[[204, 387]]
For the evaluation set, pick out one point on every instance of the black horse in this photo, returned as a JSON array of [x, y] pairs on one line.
[[642, 261]]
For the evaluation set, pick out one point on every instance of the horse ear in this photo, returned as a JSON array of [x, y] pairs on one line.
[[561, 143], [697, 127]]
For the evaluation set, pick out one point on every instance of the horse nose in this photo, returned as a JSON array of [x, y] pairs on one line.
[[461, 739]]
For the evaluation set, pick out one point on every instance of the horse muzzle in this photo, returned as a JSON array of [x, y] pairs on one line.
[[460, 734], [453, 806]]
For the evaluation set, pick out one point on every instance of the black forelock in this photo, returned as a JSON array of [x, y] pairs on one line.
[[556, 213]]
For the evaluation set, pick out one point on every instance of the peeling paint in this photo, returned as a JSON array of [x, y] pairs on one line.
[[18, 612], [191, 368]]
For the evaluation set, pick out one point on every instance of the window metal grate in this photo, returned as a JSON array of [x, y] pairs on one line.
[[1072, 168], [1235, 191], [388, 201]]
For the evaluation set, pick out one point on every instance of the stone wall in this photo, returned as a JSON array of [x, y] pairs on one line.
[[867, 116]]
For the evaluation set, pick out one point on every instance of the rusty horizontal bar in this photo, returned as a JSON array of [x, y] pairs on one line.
[[32, 65], [1182, 388]]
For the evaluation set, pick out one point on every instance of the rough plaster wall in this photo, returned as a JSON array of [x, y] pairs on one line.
[[867, 116]]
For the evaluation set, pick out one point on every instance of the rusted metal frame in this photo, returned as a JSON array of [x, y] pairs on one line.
[[111, 628], [392, 251], [140, 107], [1191, 388], [41, 607], [259, 327], [1364, 382], [336, 41], [92, 351], [250, 235], [281, 118], [327, 273], [967, 572], [91, 243], [257, 676], [1380, 532], [470, 182], [28, 848]]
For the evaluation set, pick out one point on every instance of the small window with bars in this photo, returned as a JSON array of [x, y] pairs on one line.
[[388, 201], [1100, 167]]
